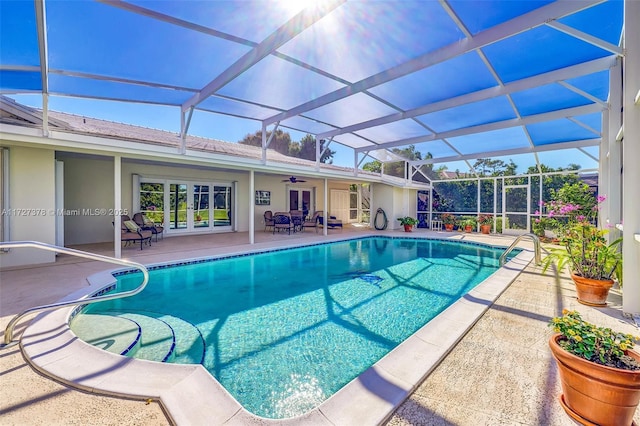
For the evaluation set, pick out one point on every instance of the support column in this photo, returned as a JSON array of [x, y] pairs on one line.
[[631, 156], [252, 209], [117, 206], [325, 215], [604, 214], [614, 189]]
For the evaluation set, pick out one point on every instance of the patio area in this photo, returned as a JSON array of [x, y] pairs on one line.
[[500, 372]]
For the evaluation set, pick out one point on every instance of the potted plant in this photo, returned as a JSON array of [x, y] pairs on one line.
[[485, 221], [468, 223], [408, 222], [449, 221], [599, 372], [592, 262]]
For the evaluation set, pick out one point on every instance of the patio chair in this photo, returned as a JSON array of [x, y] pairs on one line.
[[148, 225], [312, 222], [132, 233], [282, 221], [297, 217], [268, 220]]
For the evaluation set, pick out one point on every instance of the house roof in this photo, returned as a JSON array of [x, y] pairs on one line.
[[458, 79], [12, 112]]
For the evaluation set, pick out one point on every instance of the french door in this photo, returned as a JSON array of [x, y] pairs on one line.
[[301, 199], [187, 206]]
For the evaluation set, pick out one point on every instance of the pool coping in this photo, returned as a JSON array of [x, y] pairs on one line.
[[52, 348]]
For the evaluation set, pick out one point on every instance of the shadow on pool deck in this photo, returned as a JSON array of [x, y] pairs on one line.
[[501, 372]]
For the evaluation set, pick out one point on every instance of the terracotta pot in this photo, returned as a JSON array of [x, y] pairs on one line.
[[448, 227], [593, 393], [468, 228], [592, 292], [407, 228], [485, 229]]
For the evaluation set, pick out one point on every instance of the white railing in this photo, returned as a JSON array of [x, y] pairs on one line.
[[8, 332], [536, 248]]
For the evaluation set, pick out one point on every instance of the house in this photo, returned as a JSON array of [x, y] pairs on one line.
[[70, 186]]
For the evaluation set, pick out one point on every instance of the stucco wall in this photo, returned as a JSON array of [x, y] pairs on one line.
[[88, 197], [396, 202], [31, 204]]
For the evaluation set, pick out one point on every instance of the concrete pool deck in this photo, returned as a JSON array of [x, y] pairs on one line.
[[471, 386]]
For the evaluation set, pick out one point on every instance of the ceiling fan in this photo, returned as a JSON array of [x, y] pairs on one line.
[[293, 179]]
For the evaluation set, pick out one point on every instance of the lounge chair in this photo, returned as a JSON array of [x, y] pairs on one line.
[[312, 222], [282, 221], [268, 220], [332, 222], [132, 233], [148, 225]]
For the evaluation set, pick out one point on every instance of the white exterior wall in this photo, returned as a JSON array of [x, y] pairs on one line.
[[631, 156], [31, 188], [88, 186], [396, 202]]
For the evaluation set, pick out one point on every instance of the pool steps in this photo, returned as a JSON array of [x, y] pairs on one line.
[[154, 337]]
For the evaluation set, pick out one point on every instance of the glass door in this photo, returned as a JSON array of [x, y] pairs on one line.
[[222, 206], [515, 209], [178, 206], [301, 199], [187, 206], [201, 206]]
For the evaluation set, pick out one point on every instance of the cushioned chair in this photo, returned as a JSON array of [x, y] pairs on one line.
[[332, 222], [297, 217], [281, 222], [268, 220], [148, 225], [312, 222], [132, 233]]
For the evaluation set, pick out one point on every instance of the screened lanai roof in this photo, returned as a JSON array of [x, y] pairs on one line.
[[458, 79]]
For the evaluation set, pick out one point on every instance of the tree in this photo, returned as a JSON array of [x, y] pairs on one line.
[[307, 150], [489, 167], [397, 168], [280, 142], [373, 166]]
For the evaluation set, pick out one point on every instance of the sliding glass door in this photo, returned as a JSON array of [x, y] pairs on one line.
[[187, 206]]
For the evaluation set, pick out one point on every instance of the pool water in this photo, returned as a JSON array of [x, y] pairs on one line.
[[282, 331]]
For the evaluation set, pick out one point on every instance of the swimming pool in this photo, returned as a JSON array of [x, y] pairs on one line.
[[326, 312]]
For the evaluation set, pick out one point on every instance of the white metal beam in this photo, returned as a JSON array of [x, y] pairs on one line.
[[492, 35], [41, 26], [531, 119], [481, 95], [184, 128], [282, 35], [586, 37], [581, 92], [500, 153]]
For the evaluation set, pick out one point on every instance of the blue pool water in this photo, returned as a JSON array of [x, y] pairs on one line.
[[282, 331]]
